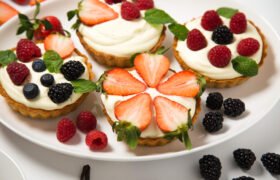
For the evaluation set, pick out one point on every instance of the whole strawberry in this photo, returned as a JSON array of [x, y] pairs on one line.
[[66, 129], [27, 50], [238, 23], [42, 32], [96, 140], [86, 121], [196, 40], [18, 72]]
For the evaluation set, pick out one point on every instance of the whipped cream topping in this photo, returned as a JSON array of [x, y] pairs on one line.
[[120, 37], [198, 60], [42, 101], [152, 131]]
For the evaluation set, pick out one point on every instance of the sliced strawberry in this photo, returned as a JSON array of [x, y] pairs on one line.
[[6, 12], [63, 45], [170, 115], [136, 110], [184, 83], [120, 82], [151, 68], [93, 12]]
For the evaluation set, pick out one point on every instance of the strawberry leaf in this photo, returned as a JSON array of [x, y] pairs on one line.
[[245, 66], [53, 61], [202, 85], [71, 14], [47, 24], [6, 57], [227, 12], [83, 86]]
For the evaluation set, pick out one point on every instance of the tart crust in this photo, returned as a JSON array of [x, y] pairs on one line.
[[112, 60], [45, 114], [222, 83]]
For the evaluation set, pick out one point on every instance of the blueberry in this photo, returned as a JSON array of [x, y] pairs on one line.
[[47, 80], [30, 90], [38, 65]]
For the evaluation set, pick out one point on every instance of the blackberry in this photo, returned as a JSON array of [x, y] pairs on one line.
[[243, 178], [210, 167], [30, 90], [271, 161], [59, 93], [47, 80], [38, 65], [214, 100], [233, 107], [244, 158], [213, 121], [72, 70], [222, 35]]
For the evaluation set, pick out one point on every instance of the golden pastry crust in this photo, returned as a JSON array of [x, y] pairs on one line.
[[45, 114], [111, 60], [222, 83]]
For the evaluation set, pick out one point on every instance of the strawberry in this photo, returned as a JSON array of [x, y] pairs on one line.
[[41, 33], [93, 12], [183, 83], [21, 2], [120, 82], [136, 110], [63, 45], [7, 12], [151, 67]]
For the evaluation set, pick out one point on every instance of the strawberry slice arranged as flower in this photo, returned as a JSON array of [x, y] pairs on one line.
[[93, 12], [151, 67], [120, 82], [7, 12]]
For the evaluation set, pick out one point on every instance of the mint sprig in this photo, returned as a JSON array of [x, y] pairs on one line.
[[245, 66], [179, 30], [227, 12], [53, 61], [83, 86], [6, 57]]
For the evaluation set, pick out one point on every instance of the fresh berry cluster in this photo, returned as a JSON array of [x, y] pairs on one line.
[[210, 167], [244, 158], [131, 10], [72, 70]]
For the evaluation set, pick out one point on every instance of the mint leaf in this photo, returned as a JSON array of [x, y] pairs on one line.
[[53, 61], [245, 66], [158, 16], [180, 31], [227, 12], [6, 57], [83, 86]]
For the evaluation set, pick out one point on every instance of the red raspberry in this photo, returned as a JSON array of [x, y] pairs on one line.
[[129, 11], [196, 40], [219, 56], [86, 121], [27, 49], [238, 23], [211, 20], [144, 4], [17, 72], [248, 47], [113, 1], [96, 140], [66, 129]]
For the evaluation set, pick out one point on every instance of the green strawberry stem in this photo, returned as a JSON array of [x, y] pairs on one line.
[[202, 83]]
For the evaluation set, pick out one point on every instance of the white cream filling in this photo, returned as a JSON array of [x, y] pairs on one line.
[[120, 37], [198, 60], [42, 101], [152, 131]]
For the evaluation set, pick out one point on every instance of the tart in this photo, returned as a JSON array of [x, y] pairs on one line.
[[36, 79], [219, 45], [112, 37], [149, 104]]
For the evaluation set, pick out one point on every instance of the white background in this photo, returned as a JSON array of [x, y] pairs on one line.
[[38, 163]]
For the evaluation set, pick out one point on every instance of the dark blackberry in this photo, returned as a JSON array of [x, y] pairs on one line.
[[213, 121], [38, 65], [210, 167], [244, 158], [47, 80], [72, 70], [271, 161], [59, 93], [30, 90], [243, 178], [222, 35], [214, 100], [233, 107]]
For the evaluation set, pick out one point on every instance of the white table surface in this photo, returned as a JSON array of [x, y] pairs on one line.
[[38, 163]]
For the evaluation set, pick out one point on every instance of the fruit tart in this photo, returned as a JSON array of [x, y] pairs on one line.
[[150, 104], [40, 80], [222, 45]]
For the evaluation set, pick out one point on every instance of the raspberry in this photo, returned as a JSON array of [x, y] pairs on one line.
[[59, 93], [213, 121], [210, 167], [72, 70], [238, 23], [196, 40], [244, 158], [243, 178], [219, 56], [144, 4], [26, 50], [271, 161], [17, 72], [233, 107], [96, 140], [65, 130], [222, 35], [248, 47], [86, 121], [113, 1], [211, 20], [214, 101], [129, 11]]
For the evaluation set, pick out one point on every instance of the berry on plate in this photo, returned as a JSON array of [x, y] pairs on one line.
[[219, 56], [243, 178], [271, 161], [233, 107], [30, 90], [96, 140], [59, 93], [210, 167], [244, 158], [196, 40], [213, 121], [211, 20], [238, 23], [7, 12], [86, 121], [129, 11], [248, 47], [72, 70], [65, 130], [27, 50], [214, 101], [18, 72], [222, 35], [144, 4]]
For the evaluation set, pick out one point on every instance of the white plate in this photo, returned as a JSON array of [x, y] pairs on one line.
[[9, 169], [260, 93]]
